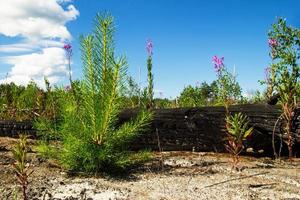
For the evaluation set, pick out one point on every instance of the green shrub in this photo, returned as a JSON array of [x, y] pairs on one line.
[[203, 95], [284, 75]]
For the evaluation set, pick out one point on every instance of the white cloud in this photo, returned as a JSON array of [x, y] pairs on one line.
[[41, 26], [29, 46], [50, 63], [35, 18], [16, 48]]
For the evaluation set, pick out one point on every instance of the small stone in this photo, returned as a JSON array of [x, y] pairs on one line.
[[260, 151]]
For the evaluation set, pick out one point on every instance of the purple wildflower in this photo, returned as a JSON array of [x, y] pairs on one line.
[[272, 42], [67, 46], [68, 49], [69, 53], [218, 62], [149, 47]]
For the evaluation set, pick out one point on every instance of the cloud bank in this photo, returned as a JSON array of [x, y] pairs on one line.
[[40, 26]]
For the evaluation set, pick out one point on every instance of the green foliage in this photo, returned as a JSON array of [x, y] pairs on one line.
[[161, 103], [285, 71], [298, 91], [133, 92], [189, 97], [150, 91], [27, 98], [134, 96], [257, 97], [254, 97], [50, 115], [9, 96], [202, 95], [237, 132], [284, 74], [47, 149], [22, 103], [92, 140], [19, 102], [237, 126], [228, 89]]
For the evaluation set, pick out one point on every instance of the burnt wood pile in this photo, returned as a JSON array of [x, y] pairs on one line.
[[194, 129], [13, 128], [202, 129]]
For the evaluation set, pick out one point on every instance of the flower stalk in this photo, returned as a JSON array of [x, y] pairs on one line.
[[150, 91]]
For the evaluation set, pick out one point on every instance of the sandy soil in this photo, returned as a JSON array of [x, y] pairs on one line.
[[183, 175]]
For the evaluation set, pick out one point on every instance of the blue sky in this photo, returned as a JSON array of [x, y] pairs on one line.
[[186, 34]]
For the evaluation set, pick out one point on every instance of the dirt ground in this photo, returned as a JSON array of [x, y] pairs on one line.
[[183, 175]]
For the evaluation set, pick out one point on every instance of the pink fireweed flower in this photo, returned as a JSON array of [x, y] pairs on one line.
[[149, 47], [272, 42], [68, 49], [218, 62], [69, 53], [67, 46]]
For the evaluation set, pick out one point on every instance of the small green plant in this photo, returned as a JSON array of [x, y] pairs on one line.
[[132, 97], [257, 97], [228, 89], [150, 91], [50, 115], [21, 166], [236, 125], [237, 132]]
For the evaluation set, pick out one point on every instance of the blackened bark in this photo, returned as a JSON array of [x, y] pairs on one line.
[[198, 129]]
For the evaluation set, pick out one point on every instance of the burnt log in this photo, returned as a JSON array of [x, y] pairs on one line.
[[203, 129], [195, 129], [14, 128]]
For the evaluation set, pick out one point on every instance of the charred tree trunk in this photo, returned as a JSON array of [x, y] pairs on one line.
[[198, 129], [203, 129]]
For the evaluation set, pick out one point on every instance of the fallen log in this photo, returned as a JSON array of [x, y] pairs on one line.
[[203, 129], [194, 129]]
